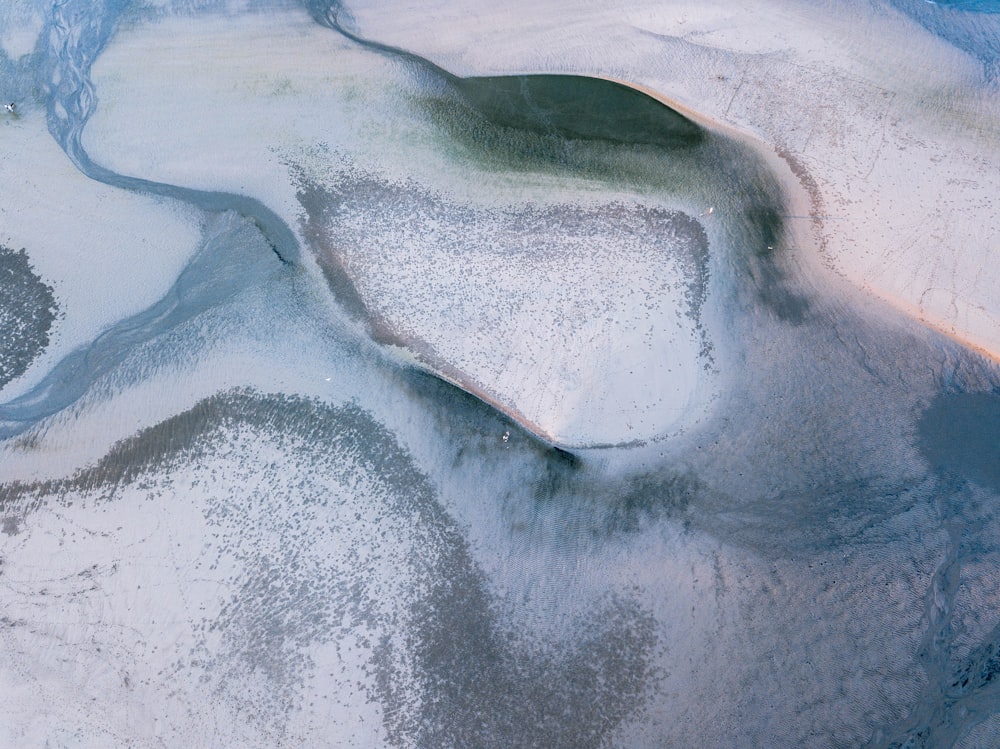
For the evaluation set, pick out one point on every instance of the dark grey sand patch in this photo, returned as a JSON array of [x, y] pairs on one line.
[[233, 256], [482, 687], [10, 525], [477, 292], [27, 310]]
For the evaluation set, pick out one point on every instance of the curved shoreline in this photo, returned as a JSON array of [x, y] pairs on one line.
[[796, 201], [805, 243], [804, 202], [423, 355], [867, 256]]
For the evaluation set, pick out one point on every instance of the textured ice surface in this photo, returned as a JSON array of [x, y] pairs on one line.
[[243, 502]]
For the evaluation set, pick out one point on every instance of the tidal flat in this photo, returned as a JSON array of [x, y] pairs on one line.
[[583, 376]]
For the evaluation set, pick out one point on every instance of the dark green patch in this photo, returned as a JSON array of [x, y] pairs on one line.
[[578, 108], [497, 124], [609, 133]]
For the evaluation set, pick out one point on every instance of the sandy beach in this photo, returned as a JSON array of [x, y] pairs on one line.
[[87, 240]]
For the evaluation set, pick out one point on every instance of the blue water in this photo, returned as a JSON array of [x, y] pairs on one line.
[[234, 253], [975, 6], [972, 26], [78, 32], [233, 257]]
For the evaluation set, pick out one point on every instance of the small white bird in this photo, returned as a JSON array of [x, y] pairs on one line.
[[10, 107]]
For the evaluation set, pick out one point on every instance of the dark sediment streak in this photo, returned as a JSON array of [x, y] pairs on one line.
[[386, 210], [547, 122], [577, 125], [232, 258]]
